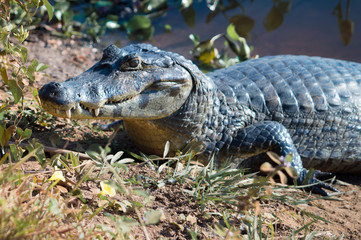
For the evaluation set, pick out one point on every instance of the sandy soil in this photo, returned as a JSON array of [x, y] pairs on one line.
[[341, 218]]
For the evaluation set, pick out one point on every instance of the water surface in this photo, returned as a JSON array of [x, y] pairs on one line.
[[308, 28]]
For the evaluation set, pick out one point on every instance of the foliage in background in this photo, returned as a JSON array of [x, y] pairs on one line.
[[346, 26], [209, 57], [17, 71]]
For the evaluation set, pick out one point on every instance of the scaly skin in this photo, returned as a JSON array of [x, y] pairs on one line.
[[307, 106]]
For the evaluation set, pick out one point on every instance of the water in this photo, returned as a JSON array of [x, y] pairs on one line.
[[309, 28]]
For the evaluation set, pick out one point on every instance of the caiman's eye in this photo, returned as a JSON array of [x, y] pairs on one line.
[[133, 63]]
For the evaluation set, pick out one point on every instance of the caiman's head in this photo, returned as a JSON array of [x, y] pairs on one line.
[[135, 82]]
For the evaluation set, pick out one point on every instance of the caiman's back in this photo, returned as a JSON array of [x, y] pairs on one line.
[[318, 100]]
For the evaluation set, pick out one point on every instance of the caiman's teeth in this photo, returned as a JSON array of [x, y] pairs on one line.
[[96, 111], [68, 113]]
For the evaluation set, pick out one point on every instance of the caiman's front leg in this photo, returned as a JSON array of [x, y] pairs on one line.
[[253, 141]]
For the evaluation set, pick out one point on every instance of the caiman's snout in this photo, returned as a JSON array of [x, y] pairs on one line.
[[52, 92], [56, 99]]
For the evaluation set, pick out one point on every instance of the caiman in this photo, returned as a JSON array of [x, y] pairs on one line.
[[305, 106]]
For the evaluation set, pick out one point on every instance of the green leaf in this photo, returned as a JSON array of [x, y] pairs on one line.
[[194, 234], [2, 133], [346, 30], [14, 152], [189, 16], [74, 160], [5, 134], [67, 17], [125, 161], [125, 224], [4, 75], [15, 90], [157, 4], [41, 67], [30, 72], [186, 3], [137, 204], [49, 8], [308, 176], [27, 133], [103, 4], [212, 4], [194, 38], [39, 154], [115, 157], [167, 28], [166, 149], [93, 155], [19, 131], [24, 54], [140, 193], [245, 51], [4, 107], [34, 63], [273, 20], [243, 25], [231, 31], [112, 25], [289, 158], [5, 35], [138, 22], [58, 15], [153, 217]]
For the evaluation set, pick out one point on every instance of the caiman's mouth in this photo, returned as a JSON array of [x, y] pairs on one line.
[[95, 111], [82, 109]]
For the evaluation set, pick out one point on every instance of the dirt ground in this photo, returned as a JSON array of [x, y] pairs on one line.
[[68, 58]]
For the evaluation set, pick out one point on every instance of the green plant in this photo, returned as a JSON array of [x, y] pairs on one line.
[[209, 57], [17, 72]]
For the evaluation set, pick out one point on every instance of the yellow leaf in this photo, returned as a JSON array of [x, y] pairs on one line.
[[191, 219], [57, 175], [291, 172], [283, 177], [62, 189], [208, 56], [266, 167], [274, 157], [107, 189]]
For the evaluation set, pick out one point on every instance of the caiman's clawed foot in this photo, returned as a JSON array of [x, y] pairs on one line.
[[317, 186]]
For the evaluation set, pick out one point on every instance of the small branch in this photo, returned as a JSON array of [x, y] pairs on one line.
[[53, 151]]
